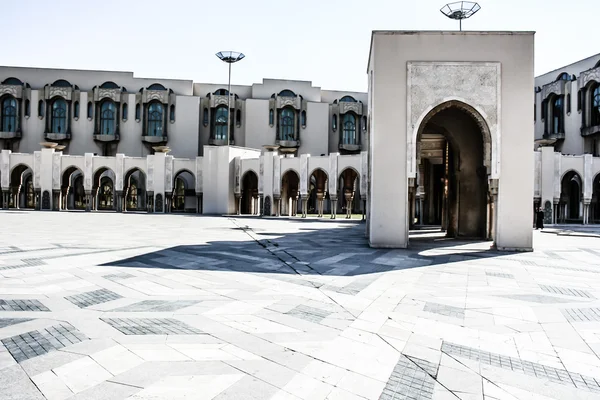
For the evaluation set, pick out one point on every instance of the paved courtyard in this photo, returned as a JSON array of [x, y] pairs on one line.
[[131, 306]]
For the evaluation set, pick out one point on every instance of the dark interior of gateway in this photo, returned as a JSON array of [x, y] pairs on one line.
[[451, 189]]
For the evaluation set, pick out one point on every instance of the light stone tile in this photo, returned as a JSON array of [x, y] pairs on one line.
[[324, 372], [51, 386], [117, 359], [361, 385], [81, 374], [200, 387], [308, 388], [156, 352]]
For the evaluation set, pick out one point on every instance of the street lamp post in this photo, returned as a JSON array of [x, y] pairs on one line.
[[229, 57]]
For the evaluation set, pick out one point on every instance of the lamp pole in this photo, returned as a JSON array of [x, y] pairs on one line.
[[229, 57]]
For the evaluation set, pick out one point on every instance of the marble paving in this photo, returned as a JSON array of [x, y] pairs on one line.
[[135, 306]]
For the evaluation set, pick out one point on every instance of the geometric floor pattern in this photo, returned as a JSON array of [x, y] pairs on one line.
[[134, 306]]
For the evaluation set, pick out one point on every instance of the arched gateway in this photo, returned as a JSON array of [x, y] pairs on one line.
[[458, 154]]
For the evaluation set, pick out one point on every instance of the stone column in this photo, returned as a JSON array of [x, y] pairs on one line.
[[55, 200], [261, 210], [333, 205], [364, 209], [88, 200], [304, 206], [119, 200], [199, 203], [320, 201], [238, 204], [37, 199], [276, 203], [586, 212]]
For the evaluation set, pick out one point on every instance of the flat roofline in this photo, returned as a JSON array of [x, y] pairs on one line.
[[96, 70], [464, 33], [569, 65], [453, 33]]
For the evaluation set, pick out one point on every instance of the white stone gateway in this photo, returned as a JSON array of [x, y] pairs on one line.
[[451, 128]]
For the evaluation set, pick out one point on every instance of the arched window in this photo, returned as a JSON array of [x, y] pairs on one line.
[[59, 116], [271, 117], [172, 113], [137, 112], [27, 108], [41, 108], [334, 122], [9, 114], [125, 111], [221, 92], [303, 119], [90, 110], [238, 118], [349, 129], [595, 103], [205, 117], [364, 123], [563, 77], [155, 119], [286, 93], [347, 99], [558, 115], [107, 117], [76, 110], [220, 126], [286, 124]]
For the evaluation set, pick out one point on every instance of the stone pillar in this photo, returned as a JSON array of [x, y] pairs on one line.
[[320, 202], [261, 210], [333, 205], [88, 200], [277, 201], [364, 209], [586, 212], [119, 200], [199, 203], [55, 200], [304, 206], [238, 203], [37, 199]]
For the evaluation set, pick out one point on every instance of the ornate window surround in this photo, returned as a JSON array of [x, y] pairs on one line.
[[21, 93], [347, 104]]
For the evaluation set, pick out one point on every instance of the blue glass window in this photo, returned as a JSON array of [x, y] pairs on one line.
[[303, 119], [334, 122], [137, 112], [557, 115], [9, 114], [59, 116], [220, 128], [155, 119], [286, 124], [596, 105], [172, 113], [271, 117], [76, 110], [205, 117], [107, 118], [27, 108], [125, 111], [90, 110], [349, 129], [41, 108]]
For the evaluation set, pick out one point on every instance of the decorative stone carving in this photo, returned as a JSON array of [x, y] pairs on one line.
[[46, 200], [304, 174], [113, 94], [150, 176], [548, 212], [5, 169], [158, 205], [37, 165], [267, 209], [333, 174], [12, 90], [160, 95], [56, 171], [64, 92], [119, 172], [289, 101], [587, 76], [277, 177], [218, 100], [87, 173], [556, 87], [364, 170], [476, 84], [347, 107], [261, 174], [169, 173]]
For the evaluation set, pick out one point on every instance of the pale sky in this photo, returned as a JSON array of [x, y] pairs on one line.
[[323, 41]]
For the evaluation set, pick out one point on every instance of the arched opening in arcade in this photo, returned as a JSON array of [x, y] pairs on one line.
[[571, 193], [22, 192], [249, 201], [134, 191], [184, 192], [290, 193], [317, 192], [595, 204], [349, 197], [103, 190], [72, 190], [450, 193]]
